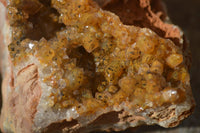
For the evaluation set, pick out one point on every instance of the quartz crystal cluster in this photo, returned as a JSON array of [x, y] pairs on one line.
[[92, 60]]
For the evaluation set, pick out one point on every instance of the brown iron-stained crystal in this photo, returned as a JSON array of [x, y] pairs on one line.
[[84, 65], [95, 60]]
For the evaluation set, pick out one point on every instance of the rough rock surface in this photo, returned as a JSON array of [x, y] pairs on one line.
[[189, 22], [24, 89]]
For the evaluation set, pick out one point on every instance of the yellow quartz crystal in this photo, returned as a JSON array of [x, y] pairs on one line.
[[95, 60]]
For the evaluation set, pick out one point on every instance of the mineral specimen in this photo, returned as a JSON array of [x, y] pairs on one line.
[[87, 63]]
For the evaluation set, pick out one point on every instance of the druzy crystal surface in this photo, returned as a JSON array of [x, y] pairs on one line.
[[92, 60]]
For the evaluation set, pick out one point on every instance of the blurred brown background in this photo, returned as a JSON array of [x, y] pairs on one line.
[[185, 14]]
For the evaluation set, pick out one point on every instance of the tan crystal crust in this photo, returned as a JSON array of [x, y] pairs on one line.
[[92, 61], [97, 61]]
